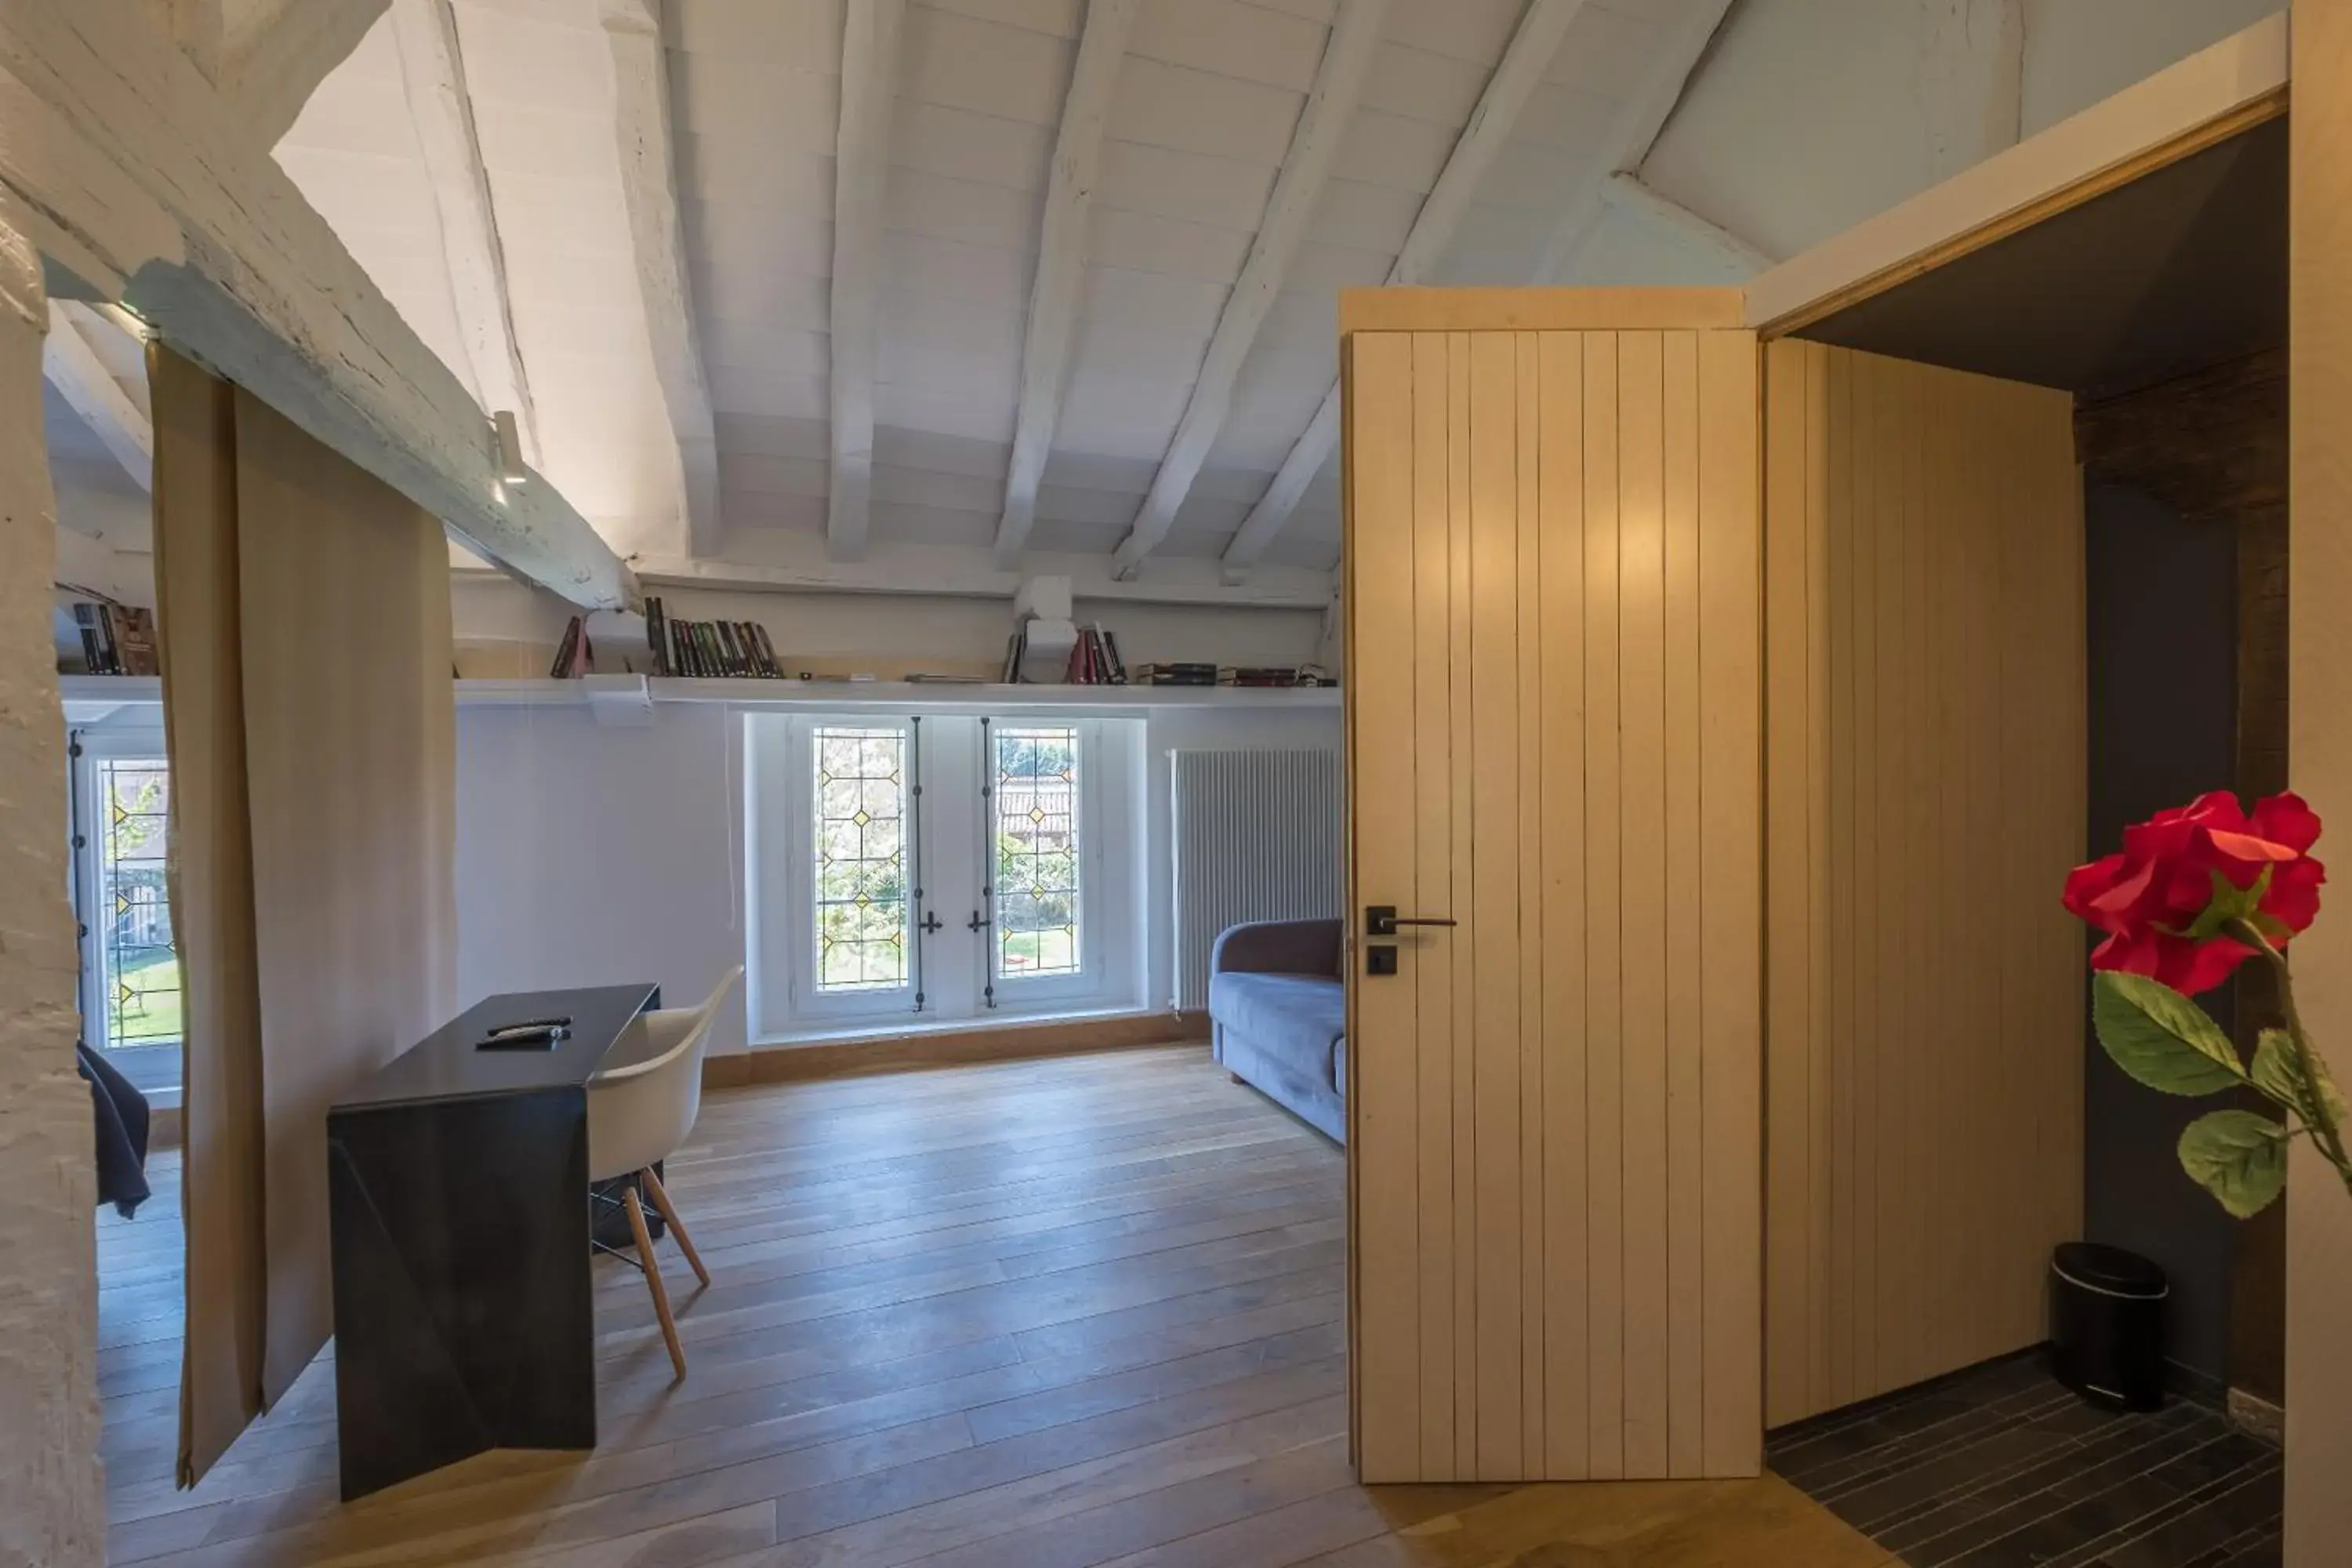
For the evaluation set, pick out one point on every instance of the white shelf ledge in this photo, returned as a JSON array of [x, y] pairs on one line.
[[91, 698]]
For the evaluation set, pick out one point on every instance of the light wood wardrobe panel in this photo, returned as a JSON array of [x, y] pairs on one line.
[[1554, 723], [1925, 796]]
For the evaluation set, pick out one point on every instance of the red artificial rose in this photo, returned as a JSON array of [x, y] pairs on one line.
[[2149, 898]]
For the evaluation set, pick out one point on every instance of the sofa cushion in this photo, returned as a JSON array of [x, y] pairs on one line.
[[1295, 1018]]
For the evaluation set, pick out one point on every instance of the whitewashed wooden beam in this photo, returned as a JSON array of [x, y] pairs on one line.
[[1717, 247], [52, 1489], [1314, 147], [277, 53], [81, 378], [197, 27], [143, 183], [1053, 293], [1542, 27], [441, 104], [1273, 511], [861, 171], [649, 187], [1630, 135]]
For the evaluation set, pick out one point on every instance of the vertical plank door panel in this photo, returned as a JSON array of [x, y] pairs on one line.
[[1383, 1036], [1432, 748], [1603, 1033], [1534, 1138], [1567, 1269], [1464, 1038], [1682, 959], [1493, 923], [1731, 861]]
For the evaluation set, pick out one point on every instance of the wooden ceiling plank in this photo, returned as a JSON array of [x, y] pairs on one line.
[[1534, 44], [643, 130], [1339, 80], [81, 378], [1060, 278], [441, 105], [144, 182], [279, 53], [869, 77]]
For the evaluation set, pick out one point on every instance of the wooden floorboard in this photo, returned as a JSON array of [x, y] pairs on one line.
[[1056, 1314]]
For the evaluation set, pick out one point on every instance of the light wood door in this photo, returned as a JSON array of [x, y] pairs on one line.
[[1553, 677], [1924, 774]]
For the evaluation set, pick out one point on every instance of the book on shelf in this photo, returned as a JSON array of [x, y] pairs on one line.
[[1094, 660], [575, 654], [710, 649], [1176, 674], [116, 639]]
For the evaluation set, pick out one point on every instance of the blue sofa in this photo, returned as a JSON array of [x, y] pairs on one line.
[[1278, 1016]]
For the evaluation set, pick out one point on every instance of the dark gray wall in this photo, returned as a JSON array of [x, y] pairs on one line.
[[2163, 719]]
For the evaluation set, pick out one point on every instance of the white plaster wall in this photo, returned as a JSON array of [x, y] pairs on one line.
[[590, 855], [1812, 115]]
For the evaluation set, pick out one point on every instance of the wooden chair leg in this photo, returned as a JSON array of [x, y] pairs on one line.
[[655, 1190], [654, 1279]]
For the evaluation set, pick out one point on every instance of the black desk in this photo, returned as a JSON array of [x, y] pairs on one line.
[[457, 1196]]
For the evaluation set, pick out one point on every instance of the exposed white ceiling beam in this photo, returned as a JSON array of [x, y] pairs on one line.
[[649, 186], [1722, 251], [143, 183], [861, 169], [275, 56], [195, 26], [1061, 265], [1542, 27], [89, 388], [1630, 136], [1314, 147], [433, 67]]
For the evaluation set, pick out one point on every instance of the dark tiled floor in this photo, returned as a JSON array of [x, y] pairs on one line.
[[1998, 1467]]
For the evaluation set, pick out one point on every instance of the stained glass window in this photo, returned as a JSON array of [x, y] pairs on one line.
[[1035, 796], [861, 860], [142, 965]]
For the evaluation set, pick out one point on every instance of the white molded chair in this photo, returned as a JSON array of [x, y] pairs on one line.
[[639, 1112]]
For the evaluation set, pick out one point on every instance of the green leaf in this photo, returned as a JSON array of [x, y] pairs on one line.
[[2161, 1038], [2276, 1074], [2230, 902], [2238, 1156]]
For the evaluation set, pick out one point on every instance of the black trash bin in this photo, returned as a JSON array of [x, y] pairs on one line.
[[2107, 1325]]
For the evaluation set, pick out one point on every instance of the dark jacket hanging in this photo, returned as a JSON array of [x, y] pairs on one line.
[[121, 1113]]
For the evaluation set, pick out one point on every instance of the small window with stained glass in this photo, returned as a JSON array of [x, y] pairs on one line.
[[861, 926], [139, 962], [1034, 792]]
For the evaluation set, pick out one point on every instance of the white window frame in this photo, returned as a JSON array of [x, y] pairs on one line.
[[1097, 827], [951, 856], [98, 745], [784, 859]]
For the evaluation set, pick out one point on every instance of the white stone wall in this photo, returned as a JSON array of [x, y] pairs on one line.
[[52, 1509]]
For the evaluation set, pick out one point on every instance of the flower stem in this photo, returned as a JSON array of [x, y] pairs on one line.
[[2315, 1109]]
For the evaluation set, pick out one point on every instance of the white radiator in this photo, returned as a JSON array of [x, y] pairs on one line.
[[1257, 837]]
